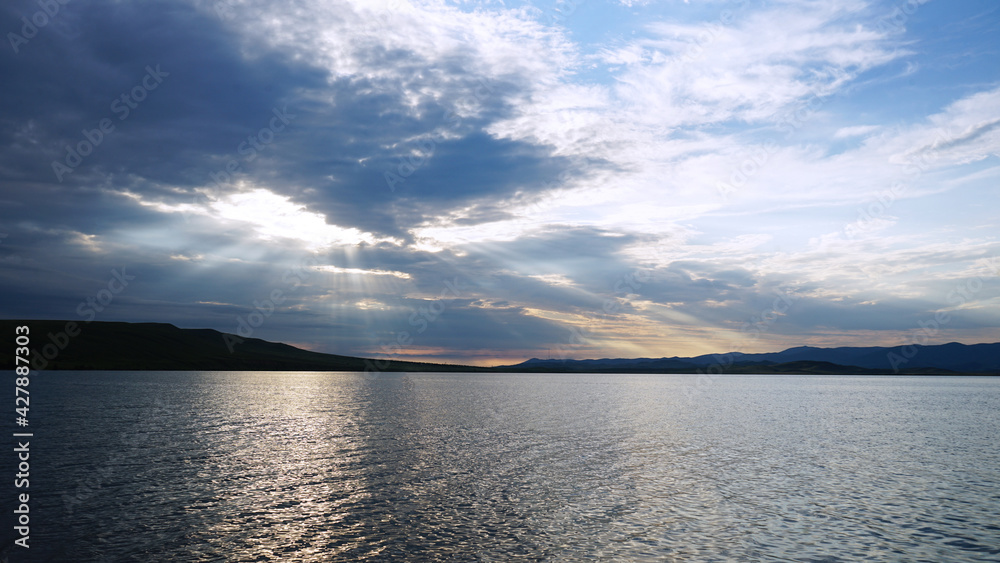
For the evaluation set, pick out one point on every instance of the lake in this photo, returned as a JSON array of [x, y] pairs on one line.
[[263, 466]]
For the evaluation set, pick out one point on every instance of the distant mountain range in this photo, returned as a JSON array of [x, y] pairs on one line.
[[944, 358], [62, 345]]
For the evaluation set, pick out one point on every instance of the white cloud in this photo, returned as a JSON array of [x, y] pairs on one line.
[[276, 217], [854, 131], [271, 217], [429, 50], [648, 124], [686, 108], [966, 131], [362, 272], [751, 70]]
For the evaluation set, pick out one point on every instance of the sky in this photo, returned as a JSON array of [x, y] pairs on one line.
[[487, 182]]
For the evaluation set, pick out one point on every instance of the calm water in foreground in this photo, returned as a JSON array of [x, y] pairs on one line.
[[220, 466]]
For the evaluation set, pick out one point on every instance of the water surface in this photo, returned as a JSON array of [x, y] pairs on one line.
[[237, 466]]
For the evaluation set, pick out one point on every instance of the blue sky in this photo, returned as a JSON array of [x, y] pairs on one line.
[[485, 182]]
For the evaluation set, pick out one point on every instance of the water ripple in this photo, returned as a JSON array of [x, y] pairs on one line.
[[341, 467]]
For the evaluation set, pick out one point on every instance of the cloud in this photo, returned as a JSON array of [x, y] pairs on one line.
[[751, 68], [854, 131], [547, 165]]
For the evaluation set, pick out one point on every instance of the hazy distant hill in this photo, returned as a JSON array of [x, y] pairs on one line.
[[944, 358]]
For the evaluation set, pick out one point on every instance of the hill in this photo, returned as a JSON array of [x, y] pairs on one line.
[[160, 346], [68, 345], [943, 359]]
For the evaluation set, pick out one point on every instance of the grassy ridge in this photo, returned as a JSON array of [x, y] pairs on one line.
[[160, 346]]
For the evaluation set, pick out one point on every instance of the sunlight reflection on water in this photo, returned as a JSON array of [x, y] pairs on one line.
[[325, 467]]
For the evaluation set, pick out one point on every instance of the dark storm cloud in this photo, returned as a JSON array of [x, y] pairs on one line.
[[204, 91], [209, 93], [369, 161], [345, 136], [398, 133]]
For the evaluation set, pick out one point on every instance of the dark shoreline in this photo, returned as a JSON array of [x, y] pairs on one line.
[[61, 345]]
